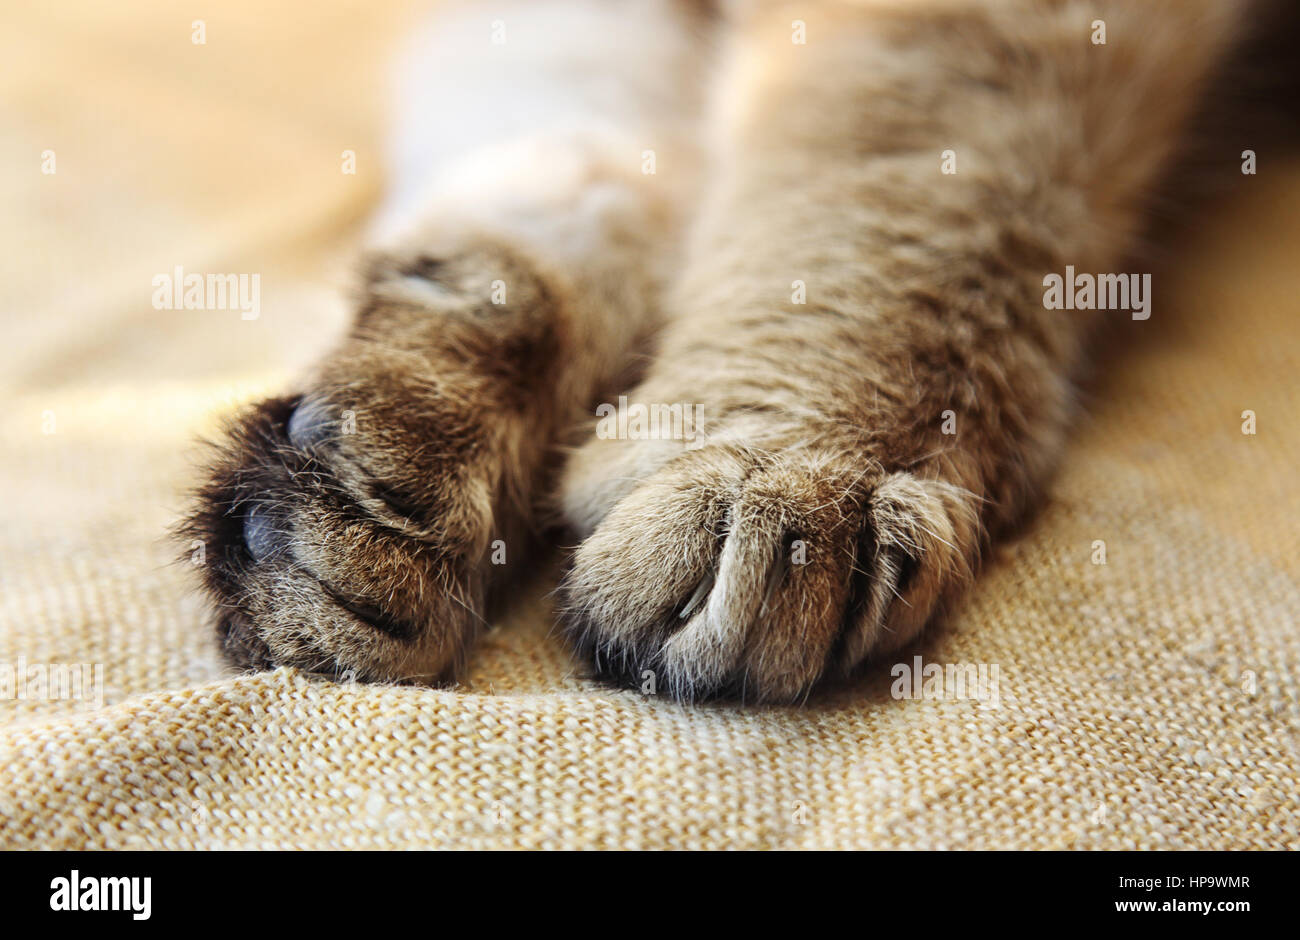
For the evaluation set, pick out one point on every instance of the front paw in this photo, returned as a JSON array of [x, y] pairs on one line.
[[743, 573], [318, 555], [349, 529]]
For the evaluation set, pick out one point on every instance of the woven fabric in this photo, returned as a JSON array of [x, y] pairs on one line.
[[1150, 701]]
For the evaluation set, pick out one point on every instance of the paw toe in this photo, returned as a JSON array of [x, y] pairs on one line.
[[722, 577], [261, 536], [311, 424]]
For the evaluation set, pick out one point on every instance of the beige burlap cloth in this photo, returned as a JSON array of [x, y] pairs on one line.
[[1150, 701]]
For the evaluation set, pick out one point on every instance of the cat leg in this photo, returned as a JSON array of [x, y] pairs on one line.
[[861, 323], [353, 523]]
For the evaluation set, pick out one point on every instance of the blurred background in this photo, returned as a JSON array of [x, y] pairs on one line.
[[211, 137]]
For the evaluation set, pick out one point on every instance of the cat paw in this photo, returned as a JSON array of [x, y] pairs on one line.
[[347, 529], [732, 572]]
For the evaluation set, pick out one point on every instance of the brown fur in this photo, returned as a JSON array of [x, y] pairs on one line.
[[818, 163]]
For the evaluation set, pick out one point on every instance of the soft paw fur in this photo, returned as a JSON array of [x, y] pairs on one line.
[[348, 527], [836, 248], [753, 574]]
